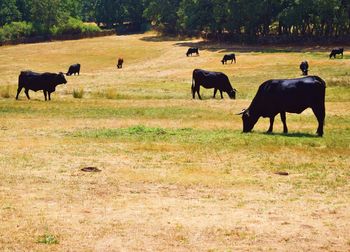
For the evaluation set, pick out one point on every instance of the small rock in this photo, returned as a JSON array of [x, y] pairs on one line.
[[90, 169], [282, 173]]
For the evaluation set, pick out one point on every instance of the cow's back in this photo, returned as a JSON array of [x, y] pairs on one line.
[[209, 79], [35, 81], [293, 95], [30, 80]]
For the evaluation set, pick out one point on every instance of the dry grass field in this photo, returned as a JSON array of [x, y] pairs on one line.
[[176, 174]]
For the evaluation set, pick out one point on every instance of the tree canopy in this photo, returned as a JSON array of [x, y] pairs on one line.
[[247, 19]]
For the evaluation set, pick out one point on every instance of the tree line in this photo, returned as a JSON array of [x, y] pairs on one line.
[[246, 19]]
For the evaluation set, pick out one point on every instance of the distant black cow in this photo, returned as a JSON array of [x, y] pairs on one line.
[[227, 57], [73, 69], [120, 63], [217, 80], [37, 81], [281, 96], [192, 50], [304, 67], [336, 51]]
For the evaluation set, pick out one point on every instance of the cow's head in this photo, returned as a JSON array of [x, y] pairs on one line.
[[248, 119], [232, 93], [60, 79]]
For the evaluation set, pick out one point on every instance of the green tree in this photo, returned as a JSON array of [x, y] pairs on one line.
[[8, 12], [162, 14], [46, 14], [109, 12]]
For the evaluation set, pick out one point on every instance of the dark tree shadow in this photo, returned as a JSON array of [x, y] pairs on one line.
[[157, 38], [226, 47]]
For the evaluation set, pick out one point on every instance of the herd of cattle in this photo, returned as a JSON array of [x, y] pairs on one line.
[[273, 96]]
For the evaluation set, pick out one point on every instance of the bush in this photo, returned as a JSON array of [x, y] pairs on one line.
[[19, 30], [78, 93], [5, 92], [73, 26], [16, 30]]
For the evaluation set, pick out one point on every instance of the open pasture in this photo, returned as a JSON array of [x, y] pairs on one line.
[[176, 174]]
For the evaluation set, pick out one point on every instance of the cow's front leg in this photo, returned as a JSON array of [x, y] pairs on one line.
[[283, 118], [272, 119], [221, 94], [26, 91], [45, 94], [49, 96]]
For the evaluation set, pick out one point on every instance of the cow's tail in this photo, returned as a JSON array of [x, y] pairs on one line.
[[20, 83], [193, 86]]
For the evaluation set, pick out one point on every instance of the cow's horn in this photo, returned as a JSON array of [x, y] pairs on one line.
[[241, 113]]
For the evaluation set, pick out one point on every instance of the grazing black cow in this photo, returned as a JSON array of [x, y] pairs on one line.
[[336, 51], [192, 50], [73, 69], [281, 96], [304, 67], [227, 57], [37, 81], [217, 80], [120, 63]]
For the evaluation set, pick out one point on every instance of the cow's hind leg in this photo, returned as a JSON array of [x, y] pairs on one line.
[[49, 96], [283, 118], [320, 115], [45, 94], [197, 90], [272, 119], [18, 91], [221, 94], [26, 91], [193, 91], [215, 90]]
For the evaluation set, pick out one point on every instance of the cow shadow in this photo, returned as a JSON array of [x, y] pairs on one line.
[[292, 135]]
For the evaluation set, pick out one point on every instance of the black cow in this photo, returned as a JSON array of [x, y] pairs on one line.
[[336, 51], [281, 96], [73, 69], [192, 50], [217, 80], [120, 63], [37, 81], [227, 57], [304, 67]]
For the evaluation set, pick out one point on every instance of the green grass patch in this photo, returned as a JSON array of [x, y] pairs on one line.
[[47, 239], [221, 139]]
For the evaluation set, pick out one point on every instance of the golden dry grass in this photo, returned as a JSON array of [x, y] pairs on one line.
[[177, 174]]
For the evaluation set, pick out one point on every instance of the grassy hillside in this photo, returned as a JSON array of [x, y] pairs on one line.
[[176, 174]]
